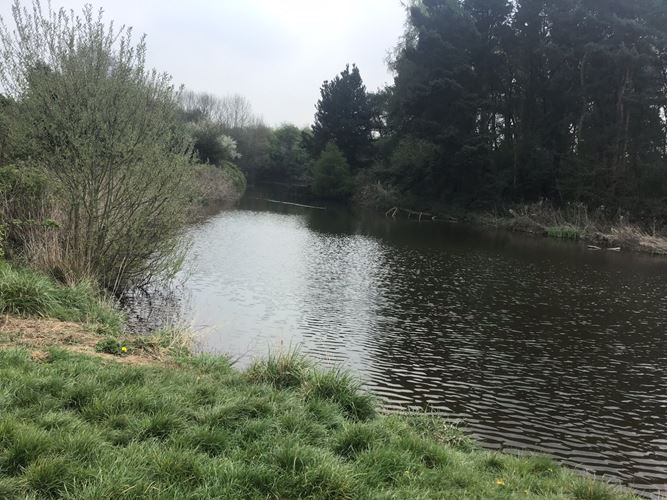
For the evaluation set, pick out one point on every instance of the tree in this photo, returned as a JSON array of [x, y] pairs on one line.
[[413, 165], [289, 158], [229, 112], [532, 99], [7, 118], [108, 133], [345, 117], [254, 146], [332, 178], [211, 145], [436, 94]]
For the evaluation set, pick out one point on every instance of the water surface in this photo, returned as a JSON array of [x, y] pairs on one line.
[[535, 345]]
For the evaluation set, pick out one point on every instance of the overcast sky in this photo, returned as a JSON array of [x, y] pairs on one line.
[[277, 53]]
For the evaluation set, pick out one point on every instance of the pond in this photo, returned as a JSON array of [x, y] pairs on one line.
[[534, 345]]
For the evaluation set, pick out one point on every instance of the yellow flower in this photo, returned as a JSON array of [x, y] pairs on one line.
[[500, 482], [123, 349]]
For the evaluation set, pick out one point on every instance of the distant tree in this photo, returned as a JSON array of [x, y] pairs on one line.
[[236, 112], [345, 117], [213, 118], [413, 167], [436, 95], [379, 103], [289, 158], [254, 146], [532, 99], [229, 112], [331, 174], [211, 145]]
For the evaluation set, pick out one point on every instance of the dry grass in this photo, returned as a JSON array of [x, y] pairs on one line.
[[634, 238], [575, 221], [39, 335]]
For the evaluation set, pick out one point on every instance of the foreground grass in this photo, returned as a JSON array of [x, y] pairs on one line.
[[76, 426]]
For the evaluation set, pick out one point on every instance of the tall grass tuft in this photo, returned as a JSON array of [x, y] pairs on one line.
[[285, 370], [28, 293], [341, 388]]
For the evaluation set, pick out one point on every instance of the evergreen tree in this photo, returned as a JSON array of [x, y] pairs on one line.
[[531, 99], [345, 117]]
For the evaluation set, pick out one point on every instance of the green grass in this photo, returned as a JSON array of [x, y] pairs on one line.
[[564, 232], [82, 427], [27, 293]]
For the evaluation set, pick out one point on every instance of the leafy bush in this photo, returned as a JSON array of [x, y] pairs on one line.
[[218, 184], [109, 132], [212, 145], [331, 175]]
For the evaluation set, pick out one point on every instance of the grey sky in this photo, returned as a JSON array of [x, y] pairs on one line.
[[275, 52]]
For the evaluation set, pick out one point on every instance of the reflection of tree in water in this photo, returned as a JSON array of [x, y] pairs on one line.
[[155, 308]]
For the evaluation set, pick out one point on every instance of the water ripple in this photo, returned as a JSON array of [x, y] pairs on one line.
[[535, 346]]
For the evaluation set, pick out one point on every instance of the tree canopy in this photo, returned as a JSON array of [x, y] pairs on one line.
[[559, 99], [345, 117]]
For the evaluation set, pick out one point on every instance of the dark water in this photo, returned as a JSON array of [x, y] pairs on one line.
[[535, 345]]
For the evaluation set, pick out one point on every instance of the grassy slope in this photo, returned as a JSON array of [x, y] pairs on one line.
[[81, 427], [78, 425]]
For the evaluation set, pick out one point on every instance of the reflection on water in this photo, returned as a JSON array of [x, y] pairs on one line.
[[535, 345]]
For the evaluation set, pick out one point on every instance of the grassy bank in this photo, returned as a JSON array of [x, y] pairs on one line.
[[78, 426], [87, 414], [576, 222], [27, 293]]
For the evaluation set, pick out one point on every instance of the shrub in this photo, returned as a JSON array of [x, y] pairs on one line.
[[218, 184], [108, 131], [212, 145], [331, 175]]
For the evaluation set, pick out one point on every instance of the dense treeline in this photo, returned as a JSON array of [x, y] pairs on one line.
[[562, 99], [497, 102]]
